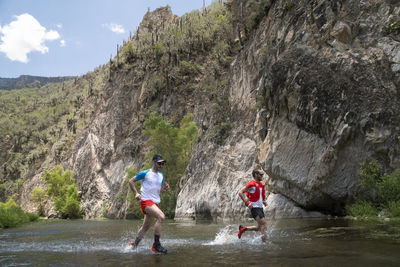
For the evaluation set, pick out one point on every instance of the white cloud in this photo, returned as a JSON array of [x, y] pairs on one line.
[[59, 26], [23, 36], [62, 43], [119, 29]]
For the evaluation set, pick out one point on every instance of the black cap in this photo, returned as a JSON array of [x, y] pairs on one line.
[[158, 158]]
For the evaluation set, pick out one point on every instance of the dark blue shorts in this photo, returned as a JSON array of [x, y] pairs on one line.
[[257, 212]]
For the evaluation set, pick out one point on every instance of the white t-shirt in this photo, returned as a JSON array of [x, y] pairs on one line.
[[151, 185]]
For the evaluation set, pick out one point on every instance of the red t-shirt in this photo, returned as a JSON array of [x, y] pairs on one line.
[[256, 193]]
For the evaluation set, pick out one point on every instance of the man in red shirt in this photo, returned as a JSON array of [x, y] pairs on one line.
[[255, 192]]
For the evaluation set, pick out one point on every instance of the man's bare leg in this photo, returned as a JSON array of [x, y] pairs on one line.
[[155, 212], [262, 227], [148, 220]]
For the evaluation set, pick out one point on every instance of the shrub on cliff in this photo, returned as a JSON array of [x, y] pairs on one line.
[[61, 186], [129, 51], [382, 192], [12, 215]]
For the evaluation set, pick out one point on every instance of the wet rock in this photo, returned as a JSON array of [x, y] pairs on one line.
[[280, 207]]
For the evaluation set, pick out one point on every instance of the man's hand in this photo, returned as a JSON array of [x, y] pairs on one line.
[[265, 202], [250, 206], [138, 197], [165, 187]]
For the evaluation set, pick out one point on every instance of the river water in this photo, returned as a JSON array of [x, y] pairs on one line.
[[304, 242]]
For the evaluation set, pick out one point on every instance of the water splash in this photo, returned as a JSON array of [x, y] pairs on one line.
[[226, 235], [120, 245]]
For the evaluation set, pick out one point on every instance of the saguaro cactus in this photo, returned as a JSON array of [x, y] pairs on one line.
[[117, 55], [109, 74]]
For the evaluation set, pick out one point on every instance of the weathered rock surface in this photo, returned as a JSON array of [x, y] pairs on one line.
[[329, 85], [209, 189]]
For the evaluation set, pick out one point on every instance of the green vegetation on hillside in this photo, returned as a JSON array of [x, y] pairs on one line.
[[38, 122], [189, 56], [393, 28], [381, 194], [28, 81]]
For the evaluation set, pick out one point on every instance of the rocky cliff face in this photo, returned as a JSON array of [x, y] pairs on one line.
[[313, 92], [324, 76]]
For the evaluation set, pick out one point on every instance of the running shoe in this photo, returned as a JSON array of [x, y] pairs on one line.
[[157, 248], [135, 244], [242, 229]]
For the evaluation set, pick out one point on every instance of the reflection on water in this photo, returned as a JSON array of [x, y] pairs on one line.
[[303, 242]]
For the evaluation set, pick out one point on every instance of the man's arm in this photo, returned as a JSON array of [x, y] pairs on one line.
[[242, 196], [265, 189], [263, 195], [133, 187]]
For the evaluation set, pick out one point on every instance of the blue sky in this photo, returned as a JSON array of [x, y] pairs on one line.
[[70, 37]]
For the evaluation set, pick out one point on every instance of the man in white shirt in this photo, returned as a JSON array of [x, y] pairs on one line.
[[152, 184]]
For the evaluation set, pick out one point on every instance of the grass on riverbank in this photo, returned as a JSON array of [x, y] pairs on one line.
[[381, 193], [12, 215]]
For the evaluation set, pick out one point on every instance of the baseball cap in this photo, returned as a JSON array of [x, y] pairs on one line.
[[158, 158]]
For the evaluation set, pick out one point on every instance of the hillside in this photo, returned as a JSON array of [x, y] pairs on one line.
[[305, 89], [38, 124], [27, 81]]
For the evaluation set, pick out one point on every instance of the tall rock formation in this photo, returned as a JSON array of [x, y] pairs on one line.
[[317, 86]]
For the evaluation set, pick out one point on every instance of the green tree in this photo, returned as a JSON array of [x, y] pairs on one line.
[[39, 197], [389, 187], [71, 208], [175, 144], [370, 174], [61, 186]]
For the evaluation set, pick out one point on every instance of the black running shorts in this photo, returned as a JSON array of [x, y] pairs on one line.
[[257, 212]]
